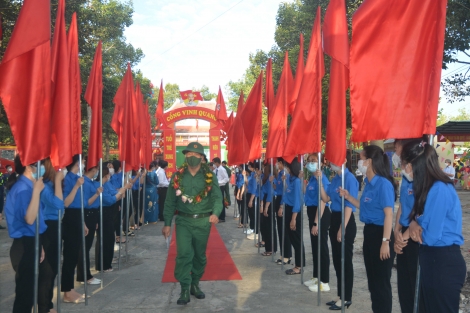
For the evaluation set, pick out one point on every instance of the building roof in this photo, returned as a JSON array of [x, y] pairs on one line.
[[454, 127]]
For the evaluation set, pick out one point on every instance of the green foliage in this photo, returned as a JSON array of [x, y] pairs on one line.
[[463, 115]]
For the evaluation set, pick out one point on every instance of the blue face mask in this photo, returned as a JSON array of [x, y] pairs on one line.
[[312, 167], [42, 170], [95, 176]]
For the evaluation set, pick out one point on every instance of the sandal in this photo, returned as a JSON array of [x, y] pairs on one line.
[[240, 226], [260, 244], [293, 272], [119, 240], [266, 253]]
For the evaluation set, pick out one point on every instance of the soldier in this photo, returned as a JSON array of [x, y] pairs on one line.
[[194, 192]]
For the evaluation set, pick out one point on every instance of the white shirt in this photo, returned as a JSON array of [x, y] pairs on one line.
[[162, 179], [450, 170], [222, 176]]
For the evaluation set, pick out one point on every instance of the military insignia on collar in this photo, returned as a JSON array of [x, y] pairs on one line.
[[195, 146]]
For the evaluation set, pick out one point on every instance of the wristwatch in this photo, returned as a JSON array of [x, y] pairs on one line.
[[385, 239], [314, 224]]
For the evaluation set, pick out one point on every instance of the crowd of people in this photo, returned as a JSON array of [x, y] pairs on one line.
[[428, 224]]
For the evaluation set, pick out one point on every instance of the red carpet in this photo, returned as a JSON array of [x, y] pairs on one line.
[[219, 266]]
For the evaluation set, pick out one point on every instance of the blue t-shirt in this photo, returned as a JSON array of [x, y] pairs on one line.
[[311, 193], [407, 200], [279, 183], [89, 189], [442, 217], [51, 203], [292, 193], [108, 197], [17, 203], [252, 185], [240, 180], [69, 182], [378, 194], [116, 180], [136, 184], [350, 184], [267, 190]]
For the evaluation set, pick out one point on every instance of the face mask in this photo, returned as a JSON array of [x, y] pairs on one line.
[[9, 170], [95, 176], [312, 167], [361, 167], [335, 168], [236, 170], [396, 160], [42, 170], [407, 175], [193, 161], [64, 172], [277, 166], [111, 171]]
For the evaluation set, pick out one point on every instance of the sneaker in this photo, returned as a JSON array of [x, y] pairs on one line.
[[251, 236], [93, 281], [250, 231], [311, 282], [323, 287]]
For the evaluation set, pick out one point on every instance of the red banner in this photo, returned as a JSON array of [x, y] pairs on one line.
[[169, 150], [214, 144]]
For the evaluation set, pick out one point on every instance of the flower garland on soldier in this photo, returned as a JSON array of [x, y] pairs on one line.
[[180, 188]]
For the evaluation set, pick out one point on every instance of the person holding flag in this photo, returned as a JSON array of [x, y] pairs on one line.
[[267, 223], [286, 247]]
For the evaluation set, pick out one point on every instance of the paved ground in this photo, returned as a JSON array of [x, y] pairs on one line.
[[137, 286]]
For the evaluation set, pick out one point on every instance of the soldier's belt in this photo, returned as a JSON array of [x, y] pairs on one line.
[[195, 215]]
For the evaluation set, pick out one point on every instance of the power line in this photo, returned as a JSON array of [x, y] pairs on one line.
[[460, 69]]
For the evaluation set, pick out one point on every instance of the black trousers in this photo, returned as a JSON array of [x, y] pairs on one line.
[[92, 217], [136, 194], [407, 267], [268, 228], [222, 214], [241, 207], [108, 240], [349, 236], [117, 217], [51, 249], [72, 241], [359, 180], [325, 251], [22, 261], [161, 201], [443, 273], [295, 235], [378, 272], [280, 227], [251, 212]]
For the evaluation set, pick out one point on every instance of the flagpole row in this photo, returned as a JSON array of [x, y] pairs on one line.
[[36, 252], [85, 278], [319, 230], [101, 224], [120, 222]]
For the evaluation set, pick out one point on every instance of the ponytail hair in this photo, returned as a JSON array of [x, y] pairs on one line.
[[380, 164], [75, 160], [426, 171], [19, 170]]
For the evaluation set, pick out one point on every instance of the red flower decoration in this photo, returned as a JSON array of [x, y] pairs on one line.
[[209, 188], [176, 185], [198, 199], [181, 170]]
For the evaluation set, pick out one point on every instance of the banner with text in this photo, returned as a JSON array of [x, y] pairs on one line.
[[214, 144], [169, 150]]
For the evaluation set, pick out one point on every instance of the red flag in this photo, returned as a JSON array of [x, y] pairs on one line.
[[94, 97], [269, 100], [252, 125], [228, 123], [239, 149], [191, 98], [137, 115], [396, 60], [25, 81], [76, 90], [160, 105], [123, 119], [61, 136], [306, 121], [277, 131], [220, 110], [299, 73], [336, 45]]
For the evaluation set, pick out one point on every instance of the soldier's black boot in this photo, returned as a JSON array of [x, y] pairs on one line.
[[184, 297], [195, 291]]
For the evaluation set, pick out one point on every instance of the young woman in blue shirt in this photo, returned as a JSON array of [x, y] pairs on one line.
[[240, 195], [291, 201], [436, 223], [268, 225], [22, 206], [376, 212], [311, 201], [252, 197], [332, 193], [278, 191]]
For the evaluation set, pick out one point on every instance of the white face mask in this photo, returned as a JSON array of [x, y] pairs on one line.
[[111, 171], [335, 168], [396, 160], [361, 167], [64, 171], [408, 176], [9, 170]]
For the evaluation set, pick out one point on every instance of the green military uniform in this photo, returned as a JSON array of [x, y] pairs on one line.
[[227, 185], [192, 222]]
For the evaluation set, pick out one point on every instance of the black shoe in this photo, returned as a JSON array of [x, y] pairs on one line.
[[279, 262], [184, 298], [2, 227], [195, 291], [334, 307], [221, 221], [331, 303]]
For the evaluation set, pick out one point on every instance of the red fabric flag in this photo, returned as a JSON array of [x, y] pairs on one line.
[[160, 106], [238, 151], [220, 110], [396, 60], [25, 81], [277, 131], [137, 120], [191, 98], [336, 45], [299, 73], [94, 97], [228, 123], [306, 121], [123, 119], [252, 125], [61, 136], [76, 90], [269, 100]]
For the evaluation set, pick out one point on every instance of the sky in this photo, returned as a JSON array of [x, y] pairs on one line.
[[207, 42]]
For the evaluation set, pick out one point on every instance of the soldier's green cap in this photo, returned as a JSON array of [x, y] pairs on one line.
[[194, 147]]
